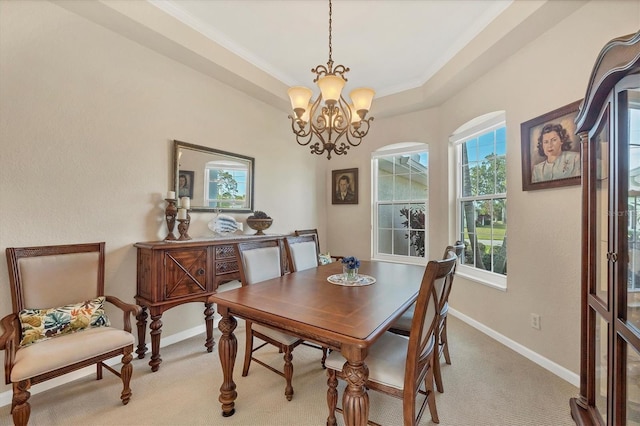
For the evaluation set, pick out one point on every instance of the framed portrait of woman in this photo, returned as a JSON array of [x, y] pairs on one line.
[[551, 149], [185, 183]]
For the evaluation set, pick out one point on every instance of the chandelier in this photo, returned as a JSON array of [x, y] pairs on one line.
[[330, 121]]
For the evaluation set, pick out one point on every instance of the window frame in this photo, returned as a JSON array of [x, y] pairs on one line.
[[403, 148], [474, 128]]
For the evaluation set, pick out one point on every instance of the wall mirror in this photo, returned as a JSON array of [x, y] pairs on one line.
[[214, 180]]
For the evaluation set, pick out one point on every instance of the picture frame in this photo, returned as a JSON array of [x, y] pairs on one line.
[[560, 130], [344, 186], [185, 190]]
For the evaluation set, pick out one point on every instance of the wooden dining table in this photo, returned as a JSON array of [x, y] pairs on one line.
[[348, 319]]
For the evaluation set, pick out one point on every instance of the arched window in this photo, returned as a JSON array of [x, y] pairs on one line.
[[481, 198], [400, 196]]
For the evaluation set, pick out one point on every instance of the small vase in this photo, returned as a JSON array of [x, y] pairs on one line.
[[350, 274]]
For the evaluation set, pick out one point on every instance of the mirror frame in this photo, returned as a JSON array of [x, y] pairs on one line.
[[178, 145]]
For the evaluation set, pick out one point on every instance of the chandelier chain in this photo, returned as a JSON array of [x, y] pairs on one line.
[[330, 46]]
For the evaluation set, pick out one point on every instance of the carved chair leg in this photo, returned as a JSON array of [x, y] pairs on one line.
[[288, 371], [125, 375], [99, 371], [332, 397], [20, 407], [324, 356], [248, 349]]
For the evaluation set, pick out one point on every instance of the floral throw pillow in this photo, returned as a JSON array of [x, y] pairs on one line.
[[324, 258], [42, 324]]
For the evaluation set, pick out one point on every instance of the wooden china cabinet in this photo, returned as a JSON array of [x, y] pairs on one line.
[[609, 127]]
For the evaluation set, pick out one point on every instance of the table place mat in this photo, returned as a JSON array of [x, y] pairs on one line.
[[361, 280]]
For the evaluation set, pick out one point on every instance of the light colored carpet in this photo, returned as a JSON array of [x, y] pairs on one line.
[[487, 384]]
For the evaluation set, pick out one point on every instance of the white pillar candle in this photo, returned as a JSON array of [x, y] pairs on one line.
[[182, 214], [171, 195], [186, 202]]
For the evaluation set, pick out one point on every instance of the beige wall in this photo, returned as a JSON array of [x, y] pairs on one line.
[[86, 128], [544, 226], [86, 123]]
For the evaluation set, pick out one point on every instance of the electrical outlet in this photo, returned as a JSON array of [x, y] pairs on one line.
[[535, 321]]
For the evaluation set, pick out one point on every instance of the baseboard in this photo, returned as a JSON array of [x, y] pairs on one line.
[[543, 362], [5, 397]]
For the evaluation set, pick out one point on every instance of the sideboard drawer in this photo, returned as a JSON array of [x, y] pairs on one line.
[[225, 252]]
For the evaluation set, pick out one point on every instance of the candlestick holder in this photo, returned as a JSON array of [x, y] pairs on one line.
[[170, 214], [183, 228]]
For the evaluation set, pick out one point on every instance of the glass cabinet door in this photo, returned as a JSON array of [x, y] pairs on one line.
[[599, 143], [630, 113], [628, 328], [600, 155]]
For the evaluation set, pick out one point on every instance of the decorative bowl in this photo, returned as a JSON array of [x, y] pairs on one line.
[[259, 224]]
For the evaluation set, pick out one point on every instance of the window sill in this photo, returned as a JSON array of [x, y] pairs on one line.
[[401, 259], [490, 279]]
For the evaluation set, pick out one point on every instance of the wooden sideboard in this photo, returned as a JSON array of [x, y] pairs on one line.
[[176, 272]]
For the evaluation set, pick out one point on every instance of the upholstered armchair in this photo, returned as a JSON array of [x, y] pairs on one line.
[[58, 324]]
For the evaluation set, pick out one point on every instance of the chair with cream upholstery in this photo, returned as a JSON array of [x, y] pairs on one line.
[[328, 257], [58, 323], [302, 254], [403, 324], [400, 366], [260, 261]]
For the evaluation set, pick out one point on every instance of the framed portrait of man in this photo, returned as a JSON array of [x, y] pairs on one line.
[[551, 149], [344, 186]]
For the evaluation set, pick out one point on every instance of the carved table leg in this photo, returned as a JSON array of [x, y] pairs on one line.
[[142, 332], [355, 401], [227, 348], [156, 331], [208, 320]]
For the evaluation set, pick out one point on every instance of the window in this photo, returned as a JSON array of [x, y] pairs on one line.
[[225, 184], [481, 201], [401, 193]]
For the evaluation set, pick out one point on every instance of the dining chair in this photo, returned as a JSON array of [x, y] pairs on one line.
[[58, 324], [302, 251], [322, 257], [398, 365], [302, 254], [259, 261], [403, 324]]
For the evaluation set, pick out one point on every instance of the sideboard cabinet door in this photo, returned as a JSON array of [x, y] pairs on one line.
[[186, 273]]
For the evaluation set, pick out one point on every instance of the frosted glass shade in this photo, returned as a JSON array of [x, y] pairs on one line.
[[307, 112], [331, 87], [299, 96], [362, 98], [354, 114]]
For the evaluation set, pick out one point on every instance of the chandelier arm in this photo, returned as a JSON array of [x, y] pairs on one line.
[[300, 131], [362, 130]]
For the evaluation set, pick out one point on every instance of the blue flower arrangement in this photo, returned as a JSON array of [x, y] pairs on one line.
[[351, 262]]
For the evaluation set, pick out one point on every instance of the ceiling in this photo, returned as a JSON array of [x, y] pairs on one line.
[[415, 54], [390, 46]]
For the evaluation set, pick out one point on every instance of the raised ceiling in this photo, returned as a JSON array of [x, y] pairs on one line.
[[390, 46], [414, 53]]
